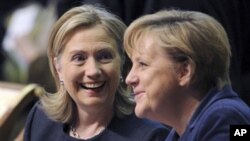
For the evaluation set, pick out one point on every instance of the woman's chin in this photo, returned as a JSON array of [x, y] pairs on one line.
[[140, 112]]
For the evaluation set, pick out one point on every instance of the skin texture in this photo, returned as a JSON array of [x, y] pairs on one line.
[[153, 78], [160, 85], [90, 69]]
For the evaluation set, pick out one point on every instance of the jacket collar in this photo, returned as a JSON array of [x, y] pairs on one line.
[[212, 96]]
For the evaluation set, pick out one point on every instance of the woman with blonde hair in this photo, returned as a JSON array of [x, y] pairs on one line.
[[180, 75]]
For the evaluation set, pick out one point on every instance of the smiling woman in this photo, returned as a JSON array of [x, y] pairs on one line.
[[89, 66], [86, 59], [180, 75]]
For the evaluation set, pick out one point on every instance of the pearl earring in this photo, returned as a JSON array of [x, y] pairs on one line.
[[61, 82], [121, 79]]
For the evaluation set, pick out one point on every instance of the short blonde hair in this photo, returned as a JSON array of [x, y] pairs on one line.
[[59, 106], [187, 36]]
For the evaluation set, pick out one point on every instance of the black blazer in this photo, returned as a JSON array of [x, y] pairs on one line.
[[40, 128]]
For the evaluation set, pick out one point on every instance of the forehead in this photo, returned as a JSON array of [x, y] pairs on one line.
[[149, 45], [94, 35], [91, 33]]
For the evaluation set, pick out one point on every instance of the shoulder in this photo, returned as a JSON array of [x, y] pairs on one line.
[[235, 111], [214, 121], [139, 129], [38, 125]]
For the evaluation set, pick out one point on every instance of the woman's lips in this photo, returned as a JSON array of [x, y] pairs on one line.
[[92, 85], [136, 95]]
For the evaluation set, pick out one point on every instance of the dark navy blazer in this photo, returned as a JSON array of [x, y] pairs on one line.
[[40, 128], [212, 119]]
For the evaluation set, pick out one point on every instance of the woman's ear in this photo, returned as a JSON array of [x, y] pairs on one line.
[[58, 68], [185, 73]]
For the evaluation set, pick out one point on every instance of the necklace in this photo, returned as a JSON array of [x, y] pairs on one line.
[[76, 135], [74, 132]]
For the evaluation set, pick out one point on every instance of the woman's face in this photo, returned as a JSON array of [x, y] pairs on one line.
[[90, 67], [153, 79]]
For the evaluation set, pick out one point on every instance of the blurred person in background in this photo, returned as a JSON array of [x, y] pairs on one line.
[[26, 27]]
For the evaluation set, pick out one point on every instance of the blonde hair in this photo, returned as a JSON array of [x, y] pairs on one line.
[[187, 36], [59, 106]]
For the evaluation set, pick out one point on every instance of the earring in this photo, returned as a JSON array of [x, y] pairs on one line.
[[121, 79], [61, 82]]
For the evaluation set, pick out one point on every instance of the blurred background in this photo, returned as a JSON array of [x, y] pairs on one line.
[[25, 27]]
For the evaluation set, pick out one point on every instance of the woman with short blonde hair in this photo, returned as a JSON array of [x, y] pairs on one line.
[[180, 75]]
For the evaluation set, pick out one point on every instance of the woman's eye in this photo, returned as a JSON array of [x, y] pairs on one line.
[[78, 57], [104, 56], [142, 65]]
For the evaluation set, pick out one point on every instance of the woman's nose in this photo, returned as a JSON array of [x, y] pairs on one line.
[[131, 78], [92, 68]]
